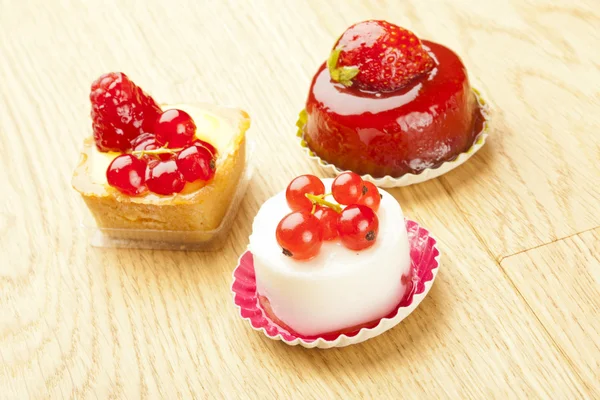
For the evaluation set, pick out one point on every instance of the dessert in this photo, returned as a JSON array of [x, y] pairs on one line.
[[330, 256], [158, 167], [387, 104]]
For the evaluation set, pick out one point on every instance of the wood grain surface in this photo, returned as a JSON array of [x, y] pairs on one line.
[[514, 312]]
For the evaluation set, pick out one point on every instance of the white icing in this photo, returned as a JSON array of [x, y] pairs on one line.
[[339, 288]]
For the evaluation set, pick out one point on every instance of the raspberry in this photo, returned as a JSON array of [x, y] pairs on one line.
[[120, 112]]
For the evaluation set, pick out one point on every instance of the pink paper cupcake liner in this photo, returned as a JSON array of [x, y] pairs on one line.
[[424, 255]]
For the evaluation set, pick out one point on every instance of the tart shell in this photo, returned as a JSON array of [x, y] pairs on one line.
[[201, 210]]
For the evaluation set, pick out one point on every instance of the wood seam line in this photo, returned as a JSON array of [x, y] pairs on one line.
[[568, 360], [558, 347], [502, 258], [475, 232]]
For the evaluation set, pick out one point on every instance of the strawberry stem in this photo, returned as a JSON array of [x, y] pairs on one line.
[[321, 201], [343, 75]]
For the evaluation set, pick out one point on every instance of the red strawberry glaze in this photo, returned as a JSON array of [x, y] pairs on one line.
[[429, 121]]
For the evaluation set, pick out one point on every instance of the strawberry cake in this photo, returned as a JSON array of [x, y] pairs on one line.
[[387, 104], [330, 256]]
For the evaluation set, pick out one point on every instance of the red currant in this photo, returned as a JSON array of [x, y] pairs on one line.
[[163, 177], [195, 163], [372, 198], [347, 188], [174, 128], [142, 141], [147, 141], [207, 146], [127, 174], [358, 227], [300, 235], [329, 222], [299, 187]]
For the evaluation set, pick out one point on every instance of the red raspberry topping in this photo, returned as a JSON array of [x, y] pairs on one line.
[[378, 56], [120, 112]]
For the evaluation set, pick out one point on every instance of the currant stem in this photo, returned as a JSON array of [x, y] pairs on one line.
[[162, 150], [321, 201], [207, 149]]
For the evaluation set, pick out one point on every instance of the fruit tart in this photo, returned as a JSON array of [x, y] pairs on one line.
[[158, 167], [330, 256], [386, 104]]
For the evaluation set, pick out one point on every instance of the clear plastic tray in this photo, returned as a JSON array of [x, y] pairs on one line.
[[173, 240]]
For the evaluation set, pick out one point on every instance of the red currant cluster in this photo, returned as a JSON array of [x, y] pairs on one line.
[[163, 161], [314, 220], [160, 152]]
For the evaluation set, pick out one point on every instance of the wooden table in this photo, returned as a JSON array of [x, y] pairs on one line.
[[514, 312]]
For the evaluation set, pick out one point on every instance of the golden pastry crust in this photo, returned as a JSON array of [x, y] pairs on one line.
[[201, 209]]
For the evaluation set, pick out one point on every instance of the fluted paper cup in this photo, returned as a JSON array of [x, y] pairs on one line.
[[425, 263], [406, 179]]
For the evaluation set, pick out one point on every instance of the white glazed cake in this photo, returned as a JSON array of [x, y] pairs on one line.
[[339, 288]]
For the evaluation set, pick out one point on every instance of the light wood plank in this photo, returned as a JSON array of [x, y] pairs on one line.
[[538, 178], [561, 283], [79, 322]]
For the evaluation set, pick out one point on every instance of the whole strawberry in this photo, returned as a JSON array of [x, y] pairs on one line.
[[120, 112], [378, 56]]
